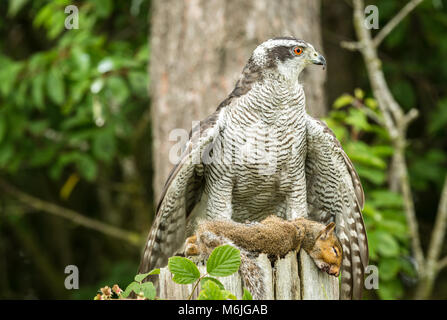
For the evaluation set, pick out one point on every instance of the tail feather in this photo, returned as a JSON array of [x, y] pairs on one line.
[[355, 248]]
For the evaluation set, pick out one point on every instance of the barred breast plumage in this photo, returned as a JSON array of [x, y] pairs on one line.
[[261, 154], [266, 148]]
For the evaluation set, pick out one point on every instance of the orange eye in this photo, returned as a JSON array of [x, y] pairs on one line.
[[297, 51]]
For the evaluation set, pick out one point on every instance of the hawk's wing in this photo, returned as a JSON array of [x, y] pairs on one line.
[[334, 192], [181, 193]]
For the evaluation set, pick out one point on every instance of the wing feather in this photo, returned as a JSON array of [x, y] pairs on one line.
[[335, 193], [180, 194]]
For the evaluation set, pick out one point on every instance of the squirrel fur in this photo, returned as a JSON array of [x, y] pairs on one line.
[[273, 236]]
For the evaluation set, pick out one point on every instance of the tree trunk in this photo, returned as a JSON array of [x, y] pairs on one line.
[[198, 50]]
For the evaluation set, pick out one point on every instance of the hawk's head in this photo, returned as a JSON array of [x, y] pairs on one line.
[[287, 56]]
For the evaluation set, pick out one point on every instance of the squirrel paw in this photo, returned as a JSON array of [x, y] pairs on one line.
[[191, 248]]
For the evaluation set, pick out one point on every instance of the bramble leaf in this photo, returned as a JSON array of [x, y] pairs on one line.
[[223, 261], [183, 269]]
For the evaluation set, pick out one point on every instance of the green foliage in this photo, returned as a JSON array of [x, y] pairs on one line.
[[223, 261], [205, 279], [184, 270], [419, 82], [212, 291], [354, 121], [144, 289], [69, 106], [247, 295]]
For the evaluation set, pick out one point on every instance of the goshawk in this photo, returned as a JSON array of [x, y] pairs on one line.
[[259, 154]]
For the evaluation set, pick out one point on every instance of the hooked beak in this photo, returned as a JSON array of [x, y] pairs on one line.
[[320, 60]]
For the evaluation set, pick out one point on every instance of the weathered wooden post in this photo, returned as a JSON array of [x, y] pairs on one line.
[[294, 277]]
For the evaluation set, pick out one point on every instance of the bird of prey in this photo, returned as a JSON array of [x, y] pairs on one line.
[[259, 154]]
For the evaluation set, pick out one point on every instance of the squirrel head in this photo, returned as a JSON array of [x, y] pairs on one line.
[[327, 251]]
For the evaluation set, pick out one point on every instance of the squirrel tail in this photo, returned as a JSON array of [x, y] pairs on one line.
[[252, 275], [250, 271]]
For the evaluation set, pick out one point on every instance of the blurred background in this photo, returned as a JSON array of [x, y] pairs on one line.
[[85, 116]]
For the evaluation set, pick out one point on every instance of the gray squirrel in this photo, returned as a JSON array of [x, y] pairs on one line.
[[273, 236]]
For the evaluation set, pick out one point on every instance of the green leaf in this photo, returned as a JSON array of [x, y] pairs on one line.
[[247, 295], [78, 90], [396, 228], [117, 89], [37, 127], [343, 100], [8, 73], [103, 7], [153, 272], [15, 6], [140, 277], [357, 118], [138, 82], [382, 150], [408, 268], [438, 118], [372, 245], [359, 94], [387, 246], [202, 282], [359, 151], [2, 127], [228, 295], [377, 177], [43, 156], [56, 86], [223, 261], [103, 147], [6, 154], [183, 269], [388, 268], [211, 291], [84, 163], [148, 290], [390, 290], [386, 199], [87, 167], [133, 286], [21, 94], [371, 103], [404, 93], [37, 90]]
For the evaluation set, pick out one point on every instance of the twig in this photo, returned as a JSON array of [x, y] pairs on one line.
[[195, 286], [395, 121], [433, 266], [442, 264], [351, 45], [77, 218], [437, 236], [395, 21], [369, 113]]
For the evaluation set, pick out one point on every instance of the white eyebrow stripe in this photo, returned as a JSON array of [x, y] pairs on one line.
[[260, 53]]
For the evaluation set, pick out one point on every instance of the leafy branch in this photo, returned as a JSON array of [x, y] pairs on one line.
[[73, 216], [396, 121], [223, 261]]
